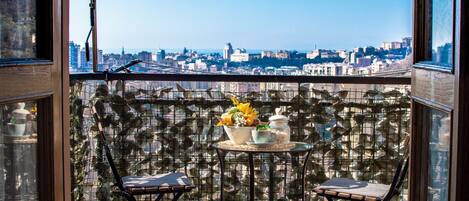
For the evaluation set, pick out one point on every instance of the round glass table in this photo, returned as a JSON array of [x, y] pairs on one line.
[[293, 147]]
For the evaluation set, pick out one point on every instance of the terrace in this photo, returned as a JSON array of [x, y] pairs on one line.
[[161, 123]]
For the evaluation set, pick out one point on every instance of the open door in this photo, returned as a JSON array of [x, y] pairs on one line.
[[32, 105], [438, 101]]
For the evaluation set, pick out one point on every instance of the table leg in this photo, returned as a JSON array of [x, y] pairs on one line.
[[251, 177], [221, 157], [271, 177], [303, 180]]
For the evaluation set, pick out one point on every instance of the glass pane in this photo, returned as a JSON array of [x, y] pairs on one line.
[[18, 150], [17, 29], [442, 33], [438, 164]]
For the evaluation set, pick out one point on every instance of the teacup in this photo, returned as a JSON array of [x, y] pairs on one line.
[[263, 136]]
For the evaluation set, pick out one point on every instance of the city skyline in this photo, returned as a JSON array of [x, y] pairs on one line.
[[388, 57], [219, 50], [259, 25]]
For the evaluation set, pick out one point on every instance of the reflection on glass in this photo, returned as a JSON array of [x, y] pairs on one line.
[[18, 150], [438, 164], [442, 33], [17, 29]]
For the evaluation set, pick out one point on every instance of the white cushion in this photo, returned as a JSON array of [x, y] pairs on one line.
[[350, 186], [168, 179]]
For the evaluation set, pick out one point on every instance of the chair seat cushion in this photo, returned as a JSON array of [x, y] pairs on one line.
[[160, 180], [342, 186]]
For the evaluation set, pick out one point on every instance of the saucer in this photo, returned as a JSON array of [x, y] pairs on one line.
[[266, 144]]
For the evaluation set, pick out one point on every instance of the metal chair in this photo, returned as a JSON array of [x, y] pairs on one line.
[[176, 183], [348, 189]]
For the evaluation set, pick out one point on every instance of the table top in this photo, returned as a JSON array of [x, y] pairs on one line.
[[290, 147]]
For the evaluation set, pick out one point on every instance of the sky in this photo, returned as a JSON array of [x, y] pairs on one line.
[[250, 24]]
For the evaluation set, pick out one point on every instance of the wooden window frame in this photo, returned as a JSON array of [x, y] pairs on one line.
[[423, 36], [45, 146], [456, 98], [420, 146], [45, 149], [46, 80]]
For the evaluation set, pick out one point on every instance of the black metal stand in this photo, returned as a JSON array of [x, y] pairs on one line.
[[251, 177], [221, 156], [303, 180]]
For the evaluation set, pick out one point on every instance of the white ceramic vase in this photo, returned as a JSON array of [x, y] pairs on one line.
[[238, 135]]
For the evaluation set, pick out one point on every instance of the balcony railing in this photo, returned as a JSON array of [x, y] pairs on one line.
[[160, 123]]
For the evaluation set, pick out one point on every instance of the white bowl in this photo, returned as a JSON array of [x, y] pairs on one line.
[[239, 135], [16, 129]]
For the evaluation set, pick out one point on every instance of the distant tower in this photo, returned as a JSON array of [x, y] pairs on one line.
[[160, 55], [74, 55], [122, 59], [227, 51], [353, 57], [407, 42]]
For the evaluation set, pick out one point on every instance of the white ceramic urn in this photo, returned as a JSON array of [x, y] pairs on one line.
[[279, 125], [238, 135]]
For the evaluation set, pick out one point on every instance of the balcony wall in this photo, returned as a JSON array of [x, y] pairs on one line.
[[163, 123]]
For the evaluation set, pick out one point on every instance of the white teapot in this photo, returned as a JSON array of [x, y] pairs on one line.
[[17, 125], [279, 125], [20, 113]]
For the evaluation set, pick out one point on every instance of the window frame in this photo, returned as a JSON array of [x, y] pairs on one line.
[[420, 146], [45, 146], [423, 35]]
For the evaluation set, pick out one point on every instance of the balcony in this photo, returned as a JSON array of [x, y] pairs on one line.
[[159, 123], [328, 65]]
